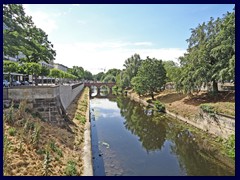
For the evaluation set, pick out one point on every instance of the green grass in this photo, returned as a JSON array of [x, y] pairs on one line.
[[227, 108], [70, 169], [12, 131]]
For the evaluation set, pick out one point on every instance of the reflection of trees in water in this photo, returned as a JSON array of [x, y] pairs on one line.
[[194, 155], [151, 134], [104, 90]]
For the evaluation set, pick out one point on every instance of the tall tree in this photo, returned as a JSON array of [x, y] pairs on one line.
[[77, 71], [21, 35], [87, 75], [151, 77], [211, 54], [172, 70], [131, 65]]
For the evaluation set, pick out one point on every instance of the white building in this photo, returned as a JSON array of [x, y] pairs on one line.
[[60, 67]]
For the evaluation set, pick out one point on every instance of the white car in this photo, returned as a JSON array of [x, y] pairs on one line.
[[5, 83], [16, 83]]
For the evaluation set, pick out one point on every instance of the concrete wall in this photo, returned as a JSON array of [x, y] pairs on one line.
[[50, 102], [32, 92], [67, 94]]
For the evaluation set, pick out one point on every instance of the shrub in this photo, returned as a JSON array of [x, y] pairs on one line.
[[230, 146], [207, 108], [159, 106], [10, 116], [12, 131], [46, 163], [70, 169], [36, 135], [56, 149]]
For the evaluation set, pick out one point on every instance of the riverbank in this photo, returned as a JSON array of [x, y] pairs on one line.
[[134, 140], [33, 147], [188, 109]]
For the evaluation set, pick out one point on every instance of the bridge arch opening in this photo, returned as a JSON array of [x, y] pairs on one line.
[[104, 90], [94, 91]]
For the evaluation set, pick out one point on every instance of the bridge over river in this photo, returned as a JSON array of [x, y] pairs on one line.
[[99, 86]]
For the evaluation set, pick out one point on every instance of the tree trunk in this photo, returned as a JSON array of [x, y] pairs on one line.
[[152, 95], [42, 80], [35, 77], [215, 87]]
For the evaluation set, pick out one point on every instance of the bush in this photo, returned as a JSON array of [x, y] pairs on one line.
[[159, 106], [71, 170], [230, 146], [207, 108], [12, 131]]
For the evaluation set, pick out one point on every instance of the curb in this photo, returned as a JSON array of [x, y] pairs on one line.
[[87, 149]]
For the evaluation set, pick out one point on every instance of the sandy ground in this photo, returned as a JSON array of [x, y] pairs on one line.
[[24, 157], [189, 106]]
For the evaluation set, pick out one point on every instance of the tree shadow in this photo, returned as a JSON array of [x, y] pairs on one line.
[[171, 97], [223, 96]]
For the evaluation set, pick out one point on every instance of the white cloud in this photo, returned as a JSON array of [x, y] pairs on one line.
[[98, 56], [42, 19]]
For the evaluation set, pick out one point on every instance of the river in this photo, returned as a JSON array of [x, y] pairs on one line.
[[130, 140]]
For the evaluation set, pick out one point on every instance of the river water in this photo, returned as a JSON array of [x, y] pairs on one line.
[[130, 140]]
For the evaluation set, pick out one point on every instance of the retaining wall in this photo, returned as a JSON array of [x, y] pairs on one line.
[[48, 101], [219, 125]]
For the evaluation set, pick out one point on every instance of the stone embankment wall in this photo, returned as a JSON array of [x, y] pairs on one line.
[[49, 101], [219, 125]]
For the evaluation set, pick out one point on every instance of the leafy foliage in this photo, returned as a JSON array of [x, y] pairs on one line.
[[21, 35], [208, 109], [151, 77], [70, 169], [230, 146], [159, 106], [210, 56]]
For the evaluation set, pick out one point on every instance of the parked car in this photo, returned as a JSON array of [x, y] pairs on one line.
[[25, 83], [5, 83], [16, 83]]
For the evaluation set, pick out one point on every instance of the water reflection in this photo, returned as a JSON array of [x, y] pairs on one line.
[[167, 146]]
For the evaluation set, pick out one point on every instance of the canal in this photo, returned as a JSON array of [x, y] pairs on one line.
[[130, 140]]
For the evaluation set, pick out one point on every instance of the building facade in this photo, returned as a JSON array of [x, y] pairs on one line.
[[60, 67]]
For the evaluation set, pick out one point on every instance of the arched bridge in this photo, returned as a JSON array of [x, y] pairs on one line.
[[99, 85]]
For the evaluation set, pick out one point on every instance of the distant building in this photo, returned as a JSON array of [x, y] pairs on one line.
[[60, 67], [49, 65]]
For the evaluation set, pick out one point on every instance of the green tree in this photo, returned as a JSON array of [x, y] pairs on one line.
[[77, 71], [151, 77], [87, 75], [172, 70], [55, 73], [210, 56], [21, 35], [9, 67], [44, 71], [98, 76], [109, 78], [131, 65], [33, 69]]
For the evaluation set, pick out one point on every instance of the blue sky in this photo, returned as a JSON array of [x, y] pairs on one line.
[[99, 37]]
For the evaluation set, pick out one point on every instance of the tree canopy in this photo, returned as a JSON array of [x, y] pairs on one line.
[[150, 78], [21, 35], [210, 56]]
